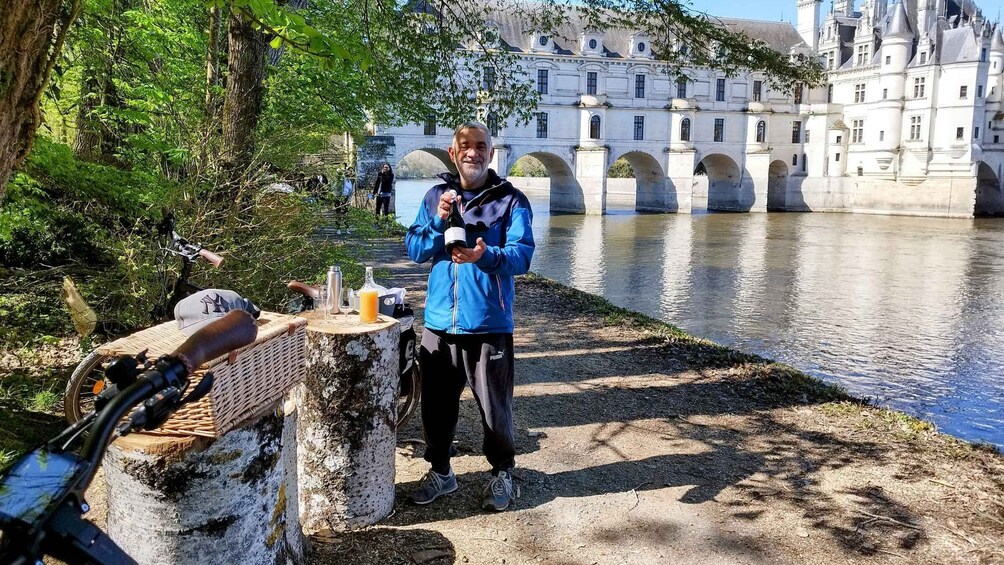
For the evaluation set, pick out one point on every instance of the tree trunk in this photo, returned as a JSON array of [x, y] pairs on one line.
[[244, 94], [347, 423], [186, 499], [211, 109], [88, 142], [31, 37]]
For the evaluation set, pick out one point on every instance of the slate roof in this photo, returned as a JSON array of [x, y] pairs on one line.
[[517, 32]]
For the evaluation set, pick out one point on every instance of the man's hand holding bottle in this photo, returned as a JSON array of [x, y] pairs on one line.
[[449, 212]]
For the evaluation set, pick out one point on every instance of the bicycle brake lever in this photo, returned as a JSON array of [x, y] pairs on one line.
[[153, 412], [202, 389]]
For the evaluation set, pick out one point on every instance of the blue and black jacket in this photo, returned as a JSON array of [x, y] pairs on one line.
[[474, 298]]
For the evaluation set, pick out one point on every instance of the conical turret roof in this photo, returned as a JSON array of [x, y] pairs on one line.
[[899, 22], [998, 42]]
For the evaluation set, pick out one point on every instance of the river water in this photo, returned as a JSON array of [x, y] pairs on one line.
[[906, 311]]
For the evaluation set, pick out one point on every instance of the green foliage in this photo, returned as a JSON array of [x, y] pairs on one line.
[[528, 166], [621, 169]]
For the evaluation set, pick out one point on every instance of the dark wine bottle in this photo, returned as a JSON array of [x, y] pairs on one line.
[[456, 234]]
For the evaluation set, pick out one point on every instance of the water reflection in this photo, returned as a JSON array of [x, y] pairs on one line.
[[909, 311]]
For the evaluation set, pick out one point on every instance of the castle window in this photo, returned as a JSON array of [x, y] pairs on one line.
[[639, 128], [829, 93], [976, 133], [804, 162], [979, 91], [493, 124], [720, 90], [542, 81], [830, 60], [885, 93], [639, 86], [794, 160], [918, 87], [963, 92], [923, 57], [541, 125], [719, 129], [888, 59], [641, 47], [757, 90], [685, 129], [543, 41], [761, 131], [838, 158], [915, 128], [798, 94], [681, 87], [882, 135], [488, 79], [862, 55], [430, 125], [592, 44], [857, 131], [594, 127], [859, 92], [796, 131], [983, 55], [591, 82]]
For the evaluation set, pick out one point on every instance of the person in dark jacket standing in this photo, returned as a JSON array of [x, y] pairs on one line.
[[383, 189], [468, 313]]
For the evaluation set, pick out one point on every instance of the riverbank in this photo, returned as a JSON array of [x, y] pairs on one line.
[[638, 444]]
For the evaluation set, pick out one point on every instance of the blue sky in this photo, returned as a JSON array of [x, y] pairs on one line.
[[776, 10]]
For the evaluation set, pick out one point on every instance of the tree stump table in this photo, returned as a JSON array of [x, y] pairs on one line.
[[191, 499], [347, 422]]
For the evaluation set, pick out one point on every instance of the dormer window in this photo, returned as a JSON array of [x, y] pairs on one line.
[[641, 46], [543, 41], [593, 43]]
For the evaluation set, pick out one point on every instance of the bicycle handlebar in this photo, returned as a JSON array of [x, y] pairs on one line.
[[307, 290], [213, 258], [58, 528]]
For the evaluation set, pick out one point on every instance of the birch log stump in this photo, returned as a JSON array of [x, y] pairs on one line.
[[189, 499], [347, 422]]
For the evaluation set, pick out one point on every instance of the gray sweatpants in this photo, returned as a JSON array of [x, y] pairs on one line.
[[448, 363]]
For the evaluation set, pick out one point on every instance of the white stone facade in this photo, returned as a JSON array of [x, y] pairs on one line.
[[910, 120]]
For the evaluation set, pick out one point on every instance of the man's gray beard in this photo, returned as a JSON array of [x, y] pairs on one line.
[[476, 182]]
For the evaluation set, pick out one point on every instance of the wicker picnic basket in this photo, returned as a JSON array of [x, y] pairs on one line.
[[246, 382]]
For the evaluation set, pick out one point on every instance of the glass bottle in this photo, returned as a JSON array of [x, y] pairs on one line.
[[456, 232], [368, 299]]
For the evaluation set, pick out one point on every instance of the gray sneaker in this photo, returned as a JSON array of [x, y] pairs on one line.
[[433, 486], [501, 492]]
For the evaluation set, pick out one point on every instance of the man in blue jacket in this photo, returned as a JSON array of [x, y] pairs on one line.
[[468, 312]]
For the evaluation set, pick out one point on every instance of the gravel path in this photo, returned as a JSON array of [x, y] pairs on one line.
[[635, 447]]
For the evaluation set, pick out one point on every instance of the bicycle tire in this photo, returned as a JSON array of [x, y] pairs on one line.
[[80, 389], [410, 396]]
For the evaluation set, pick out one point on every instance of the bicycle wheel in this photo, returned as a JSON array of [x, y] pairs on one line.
[[87, 380], [410, 396]]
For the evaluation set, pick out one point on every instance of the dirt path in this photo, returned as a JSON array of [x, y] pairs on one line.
[[638, 447]]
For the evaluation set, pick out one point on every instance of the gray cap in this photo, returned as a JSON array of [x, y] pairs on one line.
[[196, 311]]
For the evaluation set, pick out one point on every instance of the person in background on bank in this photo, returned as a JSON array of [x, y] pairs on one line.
[[383, 189], [468, 313], [344, 200]]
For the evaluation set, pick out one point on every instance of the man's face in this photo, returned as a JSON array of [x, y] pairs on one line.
[[471, 153]]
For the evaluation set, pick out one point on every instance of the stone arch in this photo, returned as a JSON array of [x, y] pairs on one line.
[[989, 197], [718, 181], [652, 192], [563, 189], [437, 152], [777, 185]]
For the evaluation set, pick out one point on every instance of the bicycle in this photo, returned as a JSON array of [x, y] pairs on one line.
[[88, 378], [42, 494], [410, 394]]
